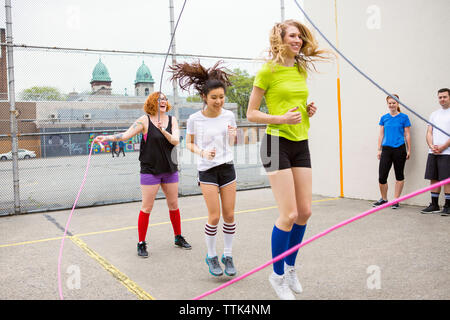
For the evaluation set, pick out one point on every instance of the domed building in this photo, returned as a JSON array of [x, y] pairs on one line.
[[144, 82], [101, 81]]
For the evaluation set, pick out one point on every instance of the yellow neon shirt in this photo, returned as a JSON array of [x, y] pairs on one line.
[[285, 88]]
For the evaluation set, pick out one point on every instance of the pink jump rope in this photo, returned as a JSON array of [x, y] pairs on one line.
[[323, 233], [293, 249]]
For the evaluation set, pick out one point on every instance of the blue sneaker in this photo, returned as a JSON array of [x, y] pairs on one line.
[[214, 266]]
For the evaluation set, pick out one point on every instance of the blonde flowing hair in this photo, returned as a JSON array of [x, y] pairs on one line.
[[309, 52]]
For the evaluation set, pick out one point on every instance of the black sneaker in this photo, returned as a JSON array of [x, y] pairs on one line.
[[230, 270], [431, 209], [180, 242], [395, 206], [379, 202], [142, 249], [445, 211]]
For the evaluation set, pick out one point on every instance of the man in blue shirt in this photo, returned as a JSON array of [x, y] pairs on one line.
[[121, 148]]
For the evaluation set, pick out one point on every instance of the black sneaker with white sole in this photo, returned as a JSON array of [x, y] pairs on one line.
[[142, 249], [180, 242], [432, 208], [445, 211], [395, 206], [379, 202]]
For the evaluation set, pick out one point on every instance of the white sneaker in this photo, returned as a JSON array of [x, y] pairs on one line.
[[281, 287], [291, 279]]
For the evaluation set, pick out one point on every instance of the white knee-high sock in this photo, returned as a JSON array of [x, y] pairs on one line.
[[210, 237], [228, 235]]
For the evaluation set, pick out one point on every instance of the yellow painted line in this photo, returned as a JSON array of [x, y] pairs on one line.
[[29, 242], [151, 225], [116, 273], [105, 231], [328, 199]]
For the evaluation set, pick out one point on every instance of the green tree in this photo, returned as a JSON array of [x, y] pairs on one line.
[[194, 98], [240, 91], [42, 93]]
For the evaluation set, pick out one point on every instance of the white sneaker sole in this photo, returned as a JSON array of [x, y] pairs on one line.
[[282, 297]]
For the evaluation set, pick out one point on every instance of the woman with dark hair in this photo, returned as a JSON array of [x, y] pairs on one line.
[[284, 148], [210, 133], [157, 156], [394, 147]]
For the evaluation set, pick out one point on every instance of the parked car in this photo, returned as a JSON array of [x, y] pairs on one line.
[[23, 154]]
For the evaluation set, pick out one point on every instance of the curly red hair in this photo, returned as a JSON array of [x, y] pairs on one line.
[[151, 104]]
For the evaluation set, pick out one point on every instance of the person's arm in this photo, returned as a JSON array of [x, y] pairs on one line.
[[191, 146], [173, 138], [311, 109], [380, 141], [254, 115], [232, 132], [442, 147], [408, 142], [137, 127], [429, 138]]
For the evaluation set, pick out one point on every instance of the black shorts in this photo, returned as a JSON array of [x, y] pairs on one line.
[[438, 167], [389, 156], [220, 176], [278, 153]]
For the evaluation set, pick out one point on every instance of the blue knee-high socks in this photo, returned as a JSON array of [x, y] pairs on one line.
[[295, 237], [284, 240]]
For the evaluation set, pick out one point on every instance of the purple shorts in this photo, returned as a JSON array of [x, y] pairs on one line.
[[152, 179]]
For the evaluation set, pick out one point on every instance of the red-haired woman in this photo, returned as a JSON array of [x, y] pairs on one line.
[[158, 164]]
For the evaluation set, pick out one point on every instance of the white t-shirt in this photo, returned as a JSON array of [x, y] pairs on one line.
[[441, 119], [212, 133]]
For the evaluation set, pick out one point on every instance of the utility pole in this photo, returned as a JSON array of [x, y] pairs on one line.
[[282, 10], [174, 59], [13, 113], [338, 83]]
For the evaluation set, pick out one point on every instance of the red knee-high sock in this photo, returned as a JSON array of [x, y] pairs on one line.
[[143, 225], [176, 221]]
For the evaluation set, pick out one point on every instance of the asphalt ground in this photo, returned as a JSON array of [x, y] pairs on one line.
[[391, 254]]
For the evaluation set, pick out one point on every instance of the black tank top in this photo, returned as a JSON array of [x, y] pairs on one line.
[[157, 155]]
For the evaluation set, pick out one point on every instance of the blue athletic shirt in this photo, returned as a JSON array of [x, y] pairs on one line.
[[394, 129]]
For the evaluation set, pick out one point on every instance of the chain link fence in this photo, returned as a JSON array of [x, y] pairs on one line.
[[56, 125], [51, 175]]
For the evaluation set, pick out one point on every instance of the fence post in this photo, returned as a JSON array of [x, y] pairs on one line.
[[12, 106]]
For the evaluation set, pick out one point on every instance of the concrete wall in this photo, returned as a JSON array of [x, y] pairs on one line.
[[403, 45]]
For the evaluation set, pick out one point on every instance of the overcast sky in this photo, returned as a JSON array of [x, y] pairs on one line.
[[208, 27]]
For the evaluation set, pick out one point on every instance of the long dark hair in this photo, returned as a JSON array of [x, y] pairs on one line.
[[203, 80]]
